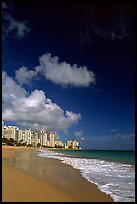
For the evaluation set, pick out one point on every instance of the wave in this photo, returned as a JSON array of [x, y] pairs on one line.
[[113, 178]]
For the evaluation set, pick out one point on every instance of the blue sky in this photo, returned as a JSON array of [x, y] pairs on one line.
[[69, 67]]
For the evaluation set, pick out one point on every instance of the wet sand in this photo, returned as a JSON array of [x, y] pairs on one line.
[[27, 177]]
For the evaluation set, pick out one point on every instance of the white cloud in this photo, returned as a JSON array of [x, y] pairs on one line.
[[33, 110], [78, 133], [20, 28], [61, 73], [11, 91], [23, 75], [11, 25], [64, 74]]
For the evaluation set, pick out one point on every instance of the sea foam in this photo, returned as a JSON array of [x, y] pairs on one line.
[[115, 179]]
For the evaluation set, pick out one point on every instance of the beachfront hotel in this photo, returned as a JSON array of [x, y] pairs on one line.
[[52, 139], [10, 132], [30, 137], [43, 138], [21, 136], [47, 139], [72, 144], [59, 143]]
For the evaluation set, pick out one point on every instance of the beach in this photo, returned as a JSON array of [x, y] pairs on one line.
[[28, 177]]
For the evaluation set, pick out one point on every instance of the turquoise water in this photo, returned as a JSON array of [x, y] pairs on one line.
[[127, 157], [112, 171]]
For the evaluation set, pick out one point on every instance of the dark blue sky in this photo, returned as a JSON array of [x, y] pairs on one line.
[[97, 35]]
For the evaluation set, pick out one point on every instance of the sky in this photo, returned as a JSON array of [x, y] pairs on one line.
[[69, 68]]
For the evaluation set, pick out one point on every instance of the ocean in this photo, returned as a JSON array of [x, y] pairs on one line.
[[113, 172]]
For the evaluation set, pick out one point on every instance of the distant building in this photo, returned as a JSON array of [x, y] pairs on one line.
[[47, 144], [31, 137], [2, 128], [10, 132], [28, 137], [75, 144], [72, 144], [58, 143], [52, 139], [43, 137], [68, 144], [24, 136], [34, 138], [39, 140]]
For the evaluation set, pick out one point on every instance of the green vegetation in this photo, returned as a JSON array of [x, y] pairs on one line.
[[12, 142], [29, 145], [58, 146], [38, 145], [9, 142]]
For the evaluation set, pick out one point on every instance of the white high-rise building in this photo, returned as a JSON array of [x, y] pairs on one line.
[[72, 144], [43, 137], [10, 132], [24, 136], [75, 144], [2, 128], [52, 139], [28, 137], [58, 143], [34, 138]]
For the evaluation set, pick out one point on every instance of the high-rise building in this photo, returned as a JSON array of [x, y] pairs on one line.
[[47, 143], [24, 136], [43, 137], [72, 144], [28, 137], [52, 139], [10, 132], [75, 144], [58, 143], [34, 138], [2, 128], [68, 144]]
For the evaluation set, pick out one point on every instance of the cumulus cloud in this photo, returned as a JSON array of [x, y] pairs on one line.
[[24, 76], [64, 74], [33, 110], [11, 91], [11, 25], [61, 73]]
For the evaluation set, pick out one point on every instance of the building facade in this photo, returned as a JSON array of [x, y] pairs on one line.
[[28, 137], [52, 139], [43, 137], [24, 136], [58, 143], [75, 144], [34, 138], [72, 144], [10, 132], [2, 128]]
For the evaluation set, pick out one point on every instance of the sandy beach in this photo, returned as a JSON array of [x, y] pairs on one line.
[[27, 177]]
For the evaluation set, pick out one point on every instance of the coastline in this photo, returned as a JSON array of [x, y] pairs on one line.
[[61, 182]]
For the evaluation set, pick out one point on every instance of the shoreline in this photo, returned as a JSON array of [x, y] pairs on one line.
[[44, 178]]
